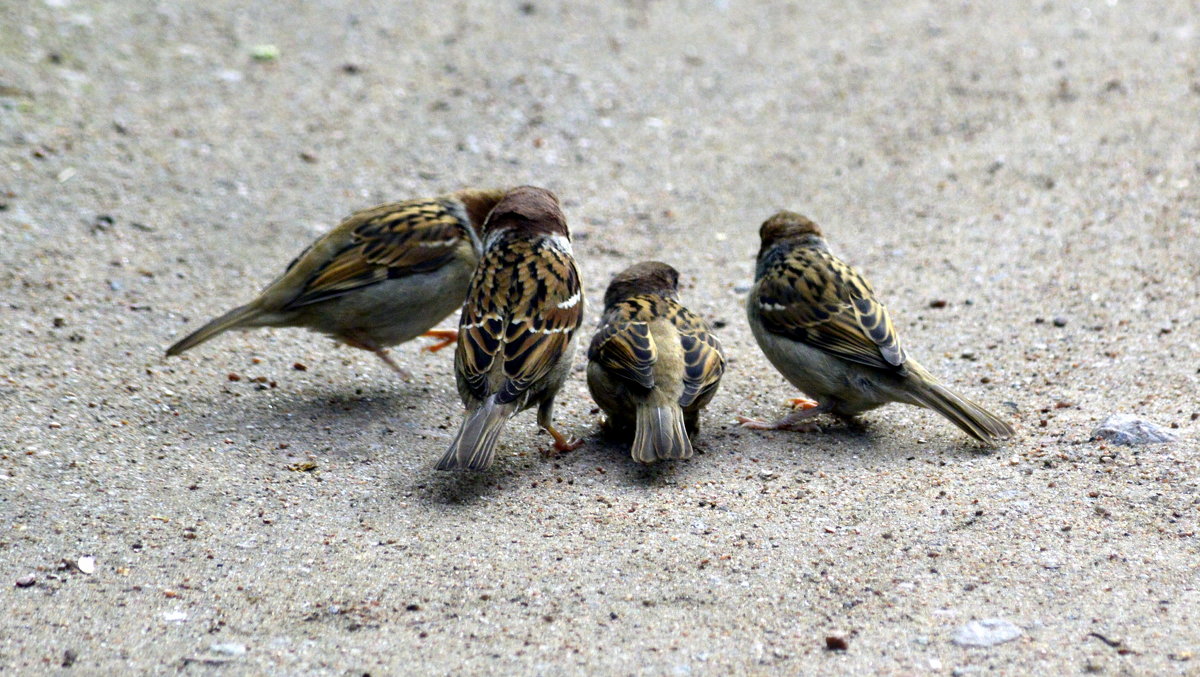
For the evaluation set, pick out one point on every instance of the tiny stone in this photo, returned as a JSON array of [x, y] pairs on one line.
[[939, 303], [174, 616], [835, 643], [265, 53], [87, 564], [1060, 321], [26, 581], [228, 649], [986, 632], [1129, 430]]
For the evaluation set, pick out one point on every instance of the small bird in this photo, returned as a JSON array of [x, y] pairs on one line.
[[516, 336], [383, 276], [653, 364], [819, 323]]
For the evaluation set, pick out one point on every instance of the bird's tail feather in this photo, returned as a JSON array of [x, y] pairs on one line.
[[660, 434], [972, 418], [238, 317], [475, 445]]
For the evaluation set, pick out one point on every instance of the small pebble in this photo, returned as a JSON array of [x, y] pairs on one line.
[[87, 564], [265, 53], [174, 616], [836, 643], [1060, 321], [26, 581], [986, 632], [1129, 430], [228, 649]]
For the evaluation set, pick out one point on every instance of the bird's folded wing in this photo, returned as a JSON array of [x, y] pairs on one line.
[[817, 300], [624, 347], [385, 242], [703, 359]]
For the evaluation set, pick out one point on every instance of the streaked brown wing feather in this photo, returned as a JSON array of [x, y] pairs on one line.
[[812, 297], [623, 345], [386, 242], [703, 358]]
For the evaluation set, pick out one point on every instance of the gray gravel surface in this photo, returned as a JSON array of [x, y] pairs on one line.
[[1019, 180]]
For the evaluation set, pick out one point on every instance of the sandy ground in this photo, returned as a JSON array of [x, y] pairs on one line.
[[997, 170]]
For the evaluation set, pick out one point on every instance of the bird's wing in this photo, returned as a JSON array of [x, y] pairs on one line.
[[812, 297], [385, 242], [703, 359], [623, 345]]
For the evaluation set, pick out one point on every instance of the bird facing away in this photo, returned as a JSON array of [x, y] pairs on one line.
[[653, 364], [383, 276], [818, 321], [516, 336]]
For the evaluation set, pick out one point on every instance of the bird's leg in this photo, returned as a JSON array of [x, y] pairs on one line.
[[447, 336], [803, 403], [794, 421], [563, 443], [387, 359], [545, 420], [363, 343]]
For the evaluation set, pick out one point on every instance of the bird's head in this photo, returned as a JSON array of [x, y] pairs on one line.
[[642, 278], [528, 209]]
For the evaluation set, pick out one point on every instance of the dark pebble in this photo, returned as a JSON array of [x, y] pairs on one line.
[[835, 643], [1060, 321]]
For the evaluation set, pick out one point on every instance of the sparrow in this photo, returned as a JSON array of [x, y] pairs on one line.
[[516, 335], [819, 323], [653, 364], [383, 276]]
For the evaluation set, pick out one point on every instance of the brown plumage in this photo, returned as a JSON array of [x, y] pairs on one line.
[[517, 331], [819, 323], [383, 276], [653, 364]]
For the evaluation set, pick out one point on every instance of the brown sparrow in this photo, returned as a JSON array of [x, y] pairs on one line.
[[819, 323], [516, 336], [653, 364], [383, 276]]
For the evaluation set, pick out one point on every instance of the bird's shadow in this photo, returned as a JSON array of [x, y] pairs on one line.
[[347, 423], [457, 489]]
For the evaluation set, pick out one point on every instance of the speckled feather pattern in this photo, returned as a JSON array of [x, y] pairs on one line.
[[523, 308], [385, 242], [807, 294]]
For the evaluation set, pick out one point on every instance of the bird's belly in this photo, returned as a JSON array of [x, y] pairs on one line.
[[399, 310], [821, 375]]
